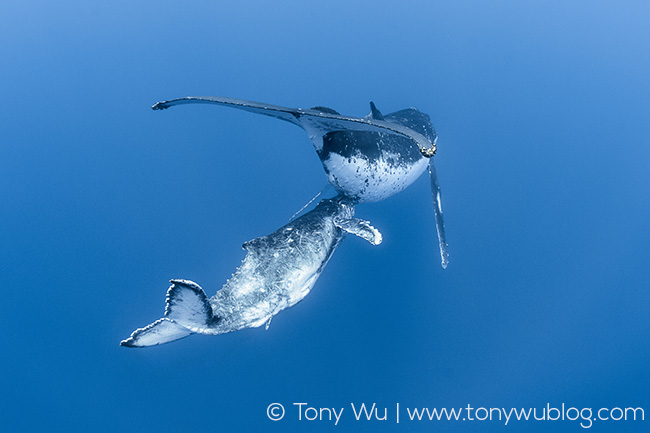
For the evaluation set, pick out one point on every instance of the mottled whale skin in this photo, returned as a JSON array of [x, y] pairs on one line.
[[366, 159], [278, 271], [370, 166]]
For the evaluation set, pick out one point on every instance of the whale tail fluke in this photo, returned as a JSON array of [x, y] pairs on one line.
[[188, 311], [159, 332], [188, 305]]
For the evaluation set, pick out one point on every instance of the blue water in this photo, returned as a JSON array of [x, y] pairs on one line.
[[542, 111]]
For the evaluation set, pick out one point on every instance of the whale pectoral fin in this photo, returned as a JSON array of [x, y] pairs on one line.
[[360, 228], [188, 305], [437, 208], [290, 115], [161, 331]]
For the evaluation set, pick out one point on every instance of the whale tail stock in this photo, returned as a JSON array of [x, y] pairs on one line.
[[188, 310]]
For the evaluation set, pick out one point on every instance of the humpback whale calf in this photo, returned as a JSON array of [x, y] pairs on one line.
[[367, 158], [278, 271]]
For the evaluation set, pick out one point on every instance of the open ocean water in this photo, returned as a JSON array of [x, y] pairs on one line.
[[543, 116]]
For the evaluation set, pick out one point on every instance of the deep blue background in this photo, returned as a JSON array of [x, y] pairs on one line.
[[543, 115]]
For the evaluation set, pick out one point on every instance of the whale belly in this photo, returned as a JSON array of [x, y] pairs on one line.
[[368, 180], [274, 276], [370, 166]]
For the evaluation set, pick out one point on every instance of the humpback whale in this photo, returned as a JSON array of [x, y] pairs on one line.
[[278, 271], [365, 159]]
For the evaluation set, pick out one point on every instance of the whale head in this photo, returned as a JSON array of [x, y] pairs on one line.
[[340, 207]]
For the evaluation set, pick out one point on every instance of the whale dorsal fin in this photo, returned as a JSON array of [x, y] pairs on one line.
[[375, 113], [360, 228]]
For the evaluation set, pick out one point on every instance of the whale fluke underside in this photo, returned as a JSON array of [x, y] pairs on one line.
[[187, 311], [159, 332], [315, 122], [188, 305]]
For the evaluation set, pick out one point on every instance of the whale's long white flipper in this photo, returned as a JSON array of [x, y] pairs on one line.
[[437, 207], [360, 228]]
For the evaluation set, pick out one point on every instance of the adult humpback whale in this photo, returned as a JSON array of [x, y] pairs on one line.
[[365, 158], [278, 271]]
